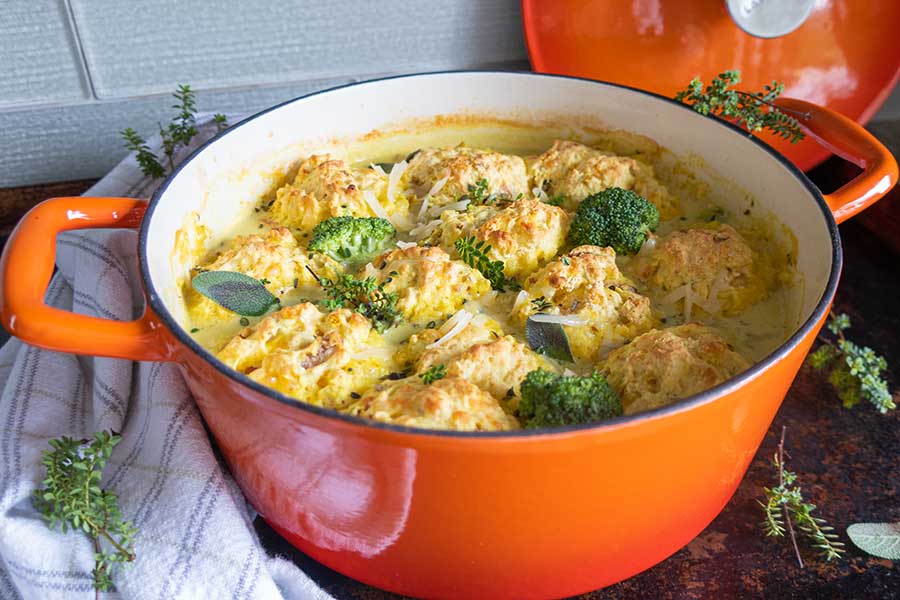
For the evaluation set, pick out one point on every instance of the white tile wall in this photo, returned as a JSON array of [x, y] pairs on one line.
[[136, 48], [39, 58]]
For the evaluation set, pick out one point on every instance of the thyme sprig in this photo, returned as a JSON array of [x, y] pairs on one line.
[[540, 304], [434, 373], [479, 194], [854, 371], [785, 507], [474, 253], [754, 110], [365, 296], [72, 498], [177, 134]]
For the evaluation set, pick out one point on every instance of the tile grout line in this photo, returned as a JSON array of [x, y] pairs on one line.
[[76, 34], [518, 65]]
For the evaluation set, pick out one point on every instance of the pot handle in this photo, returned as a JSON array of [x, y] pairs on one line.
[[849, 140], [27, 265]]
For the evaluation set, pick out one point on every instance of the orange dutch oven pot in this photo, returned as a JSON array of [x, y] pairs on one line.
[[526, 514]]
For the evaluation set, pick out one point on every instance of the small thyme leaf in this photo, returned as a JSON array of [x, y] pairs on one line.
[[434, 373], [235, 291], [474, 253], [753, 110], [540, 304], [479, 194], [785, 507], [221, 122], [73, 499], [877, 539]]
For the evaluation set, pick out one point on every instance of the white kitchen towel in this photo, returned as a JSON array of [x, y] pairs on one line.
[[195, 537]]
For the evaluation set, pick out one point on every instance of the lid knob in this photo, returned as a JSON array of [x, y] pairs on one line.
[[769, 18]]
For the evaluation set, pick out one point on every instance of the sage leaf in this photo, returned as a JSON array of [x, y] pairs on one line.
[[878, 539], [235, 291], [549, 339]]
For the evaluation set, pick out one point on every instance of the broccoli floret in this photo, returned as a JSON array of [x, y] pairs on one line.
[[614, 217], [551, 400], [351, 239]]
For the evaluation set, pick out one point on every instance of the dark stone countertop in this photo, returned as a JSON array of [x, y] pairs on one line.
[[848, 461]]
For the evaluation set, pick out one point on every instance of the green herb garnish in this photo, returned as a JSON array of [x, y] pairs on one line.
[[235, 291], [754, 110], [365, 296], [785, 507], [549, 339], [145, 157], [540, 304], [854, 371], [474, 253], [479, 194], [72, 498], [176, 135], [878, 539], [433, 374]]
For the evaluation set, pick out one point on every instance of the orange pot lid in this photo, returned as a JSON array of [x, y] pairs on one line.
[[843, 56]]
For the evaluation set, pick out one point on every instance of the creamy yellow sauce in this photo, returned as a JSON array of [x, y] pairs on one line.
[[753, 333]]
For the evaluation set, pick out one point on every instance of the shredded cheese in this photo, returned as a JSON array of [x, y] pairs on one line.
[[423, 230], [649, 246], [437, 187], [521, 299], [375, 205], [424, 208], [459, 322], [394, 179], [459, 206], [539, 193], [571, 320]]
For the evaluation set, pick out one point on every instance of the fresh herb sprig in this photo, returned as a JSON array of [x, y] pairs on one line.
[[785, 507], [236, 291], [146, 159], [877, 539], [754, 110], [365, 296], [177, 134], [434, 373], [854, 371], [72, 498], [474, 253], [479, 194], [540, 304]]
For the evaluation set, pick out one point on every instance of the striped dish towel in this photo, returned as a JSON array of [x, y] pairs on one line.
[[195, 538]]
